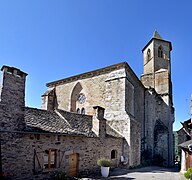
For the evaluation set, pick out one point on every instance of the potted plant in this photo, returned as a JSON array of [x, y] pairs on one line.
[[188, 174], [105, 166]]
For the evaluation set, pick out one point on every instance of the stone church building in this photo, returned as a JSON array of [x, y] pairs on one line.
[[108, 112]]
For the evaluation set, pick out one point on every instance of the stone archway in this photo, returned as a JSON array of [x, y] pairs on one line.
[[160, 142]]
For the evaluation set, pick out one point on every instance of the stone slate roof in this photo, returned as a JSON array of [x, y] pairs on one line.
[[77, 121], [60, 121], [156, 35], [185, 144], [112, 132]]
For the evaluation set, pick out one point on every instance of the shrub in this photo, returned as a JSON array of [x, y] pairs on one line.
[[187, 174], [57, 175], [104, 162]]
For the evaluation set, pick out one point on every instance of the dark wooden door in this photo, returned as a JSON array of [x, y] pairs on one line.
[[73, 164]]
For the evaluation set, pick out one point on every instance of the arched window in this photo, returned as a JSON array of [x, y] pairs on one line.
[[83, 111], [74, 96], [78, 111], [160, 52], [113, 154], [148, 54]]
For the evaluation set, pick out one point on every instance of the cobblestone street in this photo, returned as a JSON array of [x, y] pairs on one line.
[[146, 173]]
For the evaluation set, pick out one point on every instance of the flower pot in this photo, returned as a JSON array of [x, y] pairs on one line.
[[105, 171]]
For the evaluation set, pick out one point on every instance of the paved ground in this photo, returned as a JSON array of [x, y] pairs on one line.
[[146, 173]]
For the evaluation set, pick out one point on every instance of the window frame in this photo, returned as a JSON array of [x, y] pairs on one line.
[[49, 164]]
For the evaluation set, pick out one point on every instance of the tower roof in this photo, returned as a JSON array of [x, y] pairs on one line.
[[156, 35]]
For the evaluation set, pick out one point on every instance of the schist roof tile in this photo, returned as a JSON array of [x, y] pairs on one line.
[[62, 122], [58, 121]]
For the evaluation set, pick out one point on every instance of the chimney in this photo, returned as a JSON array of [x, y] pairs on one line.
[[49, 100], [99, 123], [12, 98]]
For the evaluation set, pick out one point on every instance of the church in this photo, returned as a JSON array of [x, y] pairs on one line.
[[108, 112]]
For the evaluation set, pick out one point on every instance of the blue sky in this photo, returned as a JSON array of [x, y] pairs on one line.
[[51, 40]]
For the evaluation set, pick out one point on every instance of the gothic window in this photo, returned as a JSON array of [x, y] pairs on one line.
[[49, 159], [160, 52], [148, 54], [78, 111], [83, 111], [113, 154], [75, 96]]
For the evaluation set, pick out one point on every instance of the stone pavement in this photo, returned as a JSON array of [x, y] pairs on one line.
[[146, 173]]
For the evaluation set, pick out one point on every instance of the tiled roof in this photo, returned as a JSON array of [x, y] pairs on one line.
[[185, 144], [156, 35], [77, 121], [62, 122], [112, 132], [57, 122]]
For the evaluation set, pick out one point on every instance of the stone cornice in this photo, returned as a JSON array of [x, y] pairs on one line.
[[95, 73]]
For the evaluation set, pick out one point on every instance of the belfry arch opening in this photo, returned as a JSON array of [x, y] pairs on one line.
[[148, 54], [160, 51]]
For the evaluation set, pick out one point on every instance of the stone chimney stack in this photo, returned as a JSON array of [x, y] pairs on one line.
[[12, 98], [99, 123], [49, 100]]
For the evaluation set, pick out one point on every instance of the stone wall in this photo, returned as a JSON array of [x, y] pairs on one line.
[[158, 126], [105, 90], [135, 134], [119, 91], [22, 154]]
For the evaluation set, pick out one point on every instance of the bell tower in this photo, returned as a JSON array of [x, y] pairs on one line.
[[157, 67], [159, 111]]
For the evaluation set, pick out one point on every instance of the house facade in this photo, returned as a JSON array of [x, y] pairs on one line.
[[185, 145]]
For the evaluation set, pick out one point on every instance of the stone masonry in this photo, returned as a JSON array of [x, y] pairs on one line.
[[128, 101], [35, 143], [107, 112]]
